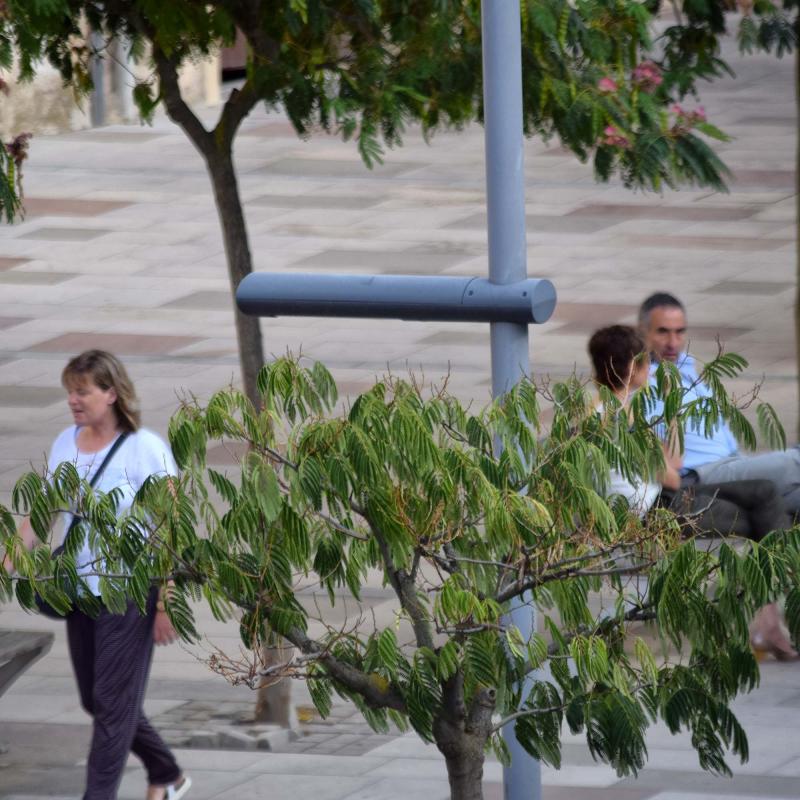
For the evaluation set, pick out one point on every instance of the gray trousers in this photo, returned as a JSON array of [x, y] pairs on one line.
[[111, 659], [750, 509], [782, 467]]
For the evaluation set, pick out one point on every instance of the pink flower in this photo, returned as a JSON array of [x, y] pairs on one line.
[[647, 76], [607, 85], [686, 120], [613, 137], [17, 148]]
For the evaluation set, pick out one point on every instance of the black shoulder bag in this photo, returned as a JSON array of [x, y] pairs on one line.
[[44, 607]]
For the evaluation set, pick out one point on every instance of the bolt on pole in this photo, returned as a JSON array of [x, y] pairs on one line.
[[505, 198]]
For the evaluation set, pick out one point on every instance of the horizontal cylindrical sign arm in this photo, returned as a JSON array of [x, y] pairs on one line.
[[418, 297]]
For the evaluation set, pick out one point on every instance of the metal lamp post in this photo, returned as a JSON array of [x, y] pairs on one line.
[[509, 300]]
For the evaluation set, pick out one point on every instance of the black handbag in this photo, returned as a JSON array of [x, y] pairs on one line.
[[44, 607]]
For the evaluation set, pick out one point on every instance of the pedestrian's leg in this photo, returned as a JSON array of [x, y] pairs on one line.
[[80, 640], [147, 745], [162, 769], [123, 647]]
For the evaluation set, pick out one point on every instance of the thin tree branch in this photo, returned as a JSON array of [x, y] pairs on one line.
[[375, 690], [177, 108], [405, 590], [530, 712], [239, 104]]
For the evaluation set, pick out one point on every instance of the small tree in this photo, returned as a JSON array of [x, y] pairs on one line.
[[410, 485], [366, 70]]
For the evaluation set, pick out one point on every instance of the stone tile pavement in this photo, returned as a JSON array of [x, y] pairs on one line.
[[121, 249]]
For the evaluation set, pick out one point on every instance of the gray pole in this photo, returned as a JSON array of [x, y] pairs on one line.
[[123, 75], [97, 99], [505, 196]]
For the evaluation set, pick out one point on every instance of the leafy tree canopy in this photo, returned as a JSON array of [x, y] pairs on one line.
[[367, 68], [408, 483], [692, 45]]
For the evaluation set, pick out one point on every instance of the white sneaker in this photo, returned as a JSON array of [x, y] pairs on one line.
[[177, 790]]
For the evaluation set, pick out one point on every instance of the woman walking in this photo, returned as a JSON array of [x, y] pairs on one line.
[[111, 653]]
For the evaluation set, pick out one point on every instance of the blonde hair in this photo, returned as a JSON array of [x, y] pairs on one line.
[[107, 372]]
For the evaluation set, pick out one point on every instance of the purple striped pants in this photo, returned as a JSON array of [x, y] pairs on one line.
[[111, 658]]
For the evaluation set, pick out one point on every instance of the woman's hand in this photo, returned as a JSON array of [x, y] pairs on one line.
[[670, 477], [26, 533], [163, 631]]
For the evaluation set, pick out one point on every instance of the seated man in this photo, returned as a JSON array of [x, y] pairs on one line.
[[715, 458]]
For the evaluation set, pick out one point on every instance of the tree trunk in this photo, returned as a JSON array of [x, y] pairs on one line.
[[240, 264], [465, 773], [274, 701], [461, 737]]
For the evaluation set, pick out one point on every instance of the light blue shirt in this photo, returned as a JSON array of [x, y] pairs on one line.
[[698, 449]]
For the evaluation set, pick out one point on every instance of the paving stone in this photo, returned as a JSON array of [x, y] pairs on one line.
[[203, 300], [689, 213], [317, 738], [381, 261], [238, 740], [544, 223], [64, 234], [773, 178], [205, 740], [119, 343], [10, 263], [316, 201], [124, 136], [748, 244], [34, 278], [749, 287], [274, 740], [30, 396], [494, 791], [335, 168], [69, 207], [10, 322], [39, 797]]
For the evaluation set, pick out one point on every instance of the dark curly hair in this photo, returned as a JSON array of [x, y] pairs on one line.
[[613, 350]]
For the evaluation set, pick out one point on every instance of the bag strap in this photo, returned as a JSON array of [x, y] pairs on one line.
[[96, 477]]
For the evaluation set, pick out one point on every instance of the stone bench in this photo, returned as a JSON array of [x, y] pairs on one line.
[[18, 650]]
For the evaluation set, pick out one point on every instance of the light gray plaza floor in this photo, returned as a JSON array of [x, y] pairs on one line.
[[121, 249]]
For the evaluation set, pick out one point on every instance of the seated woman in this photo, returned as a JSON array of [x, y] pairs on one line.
[[750, 508]]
